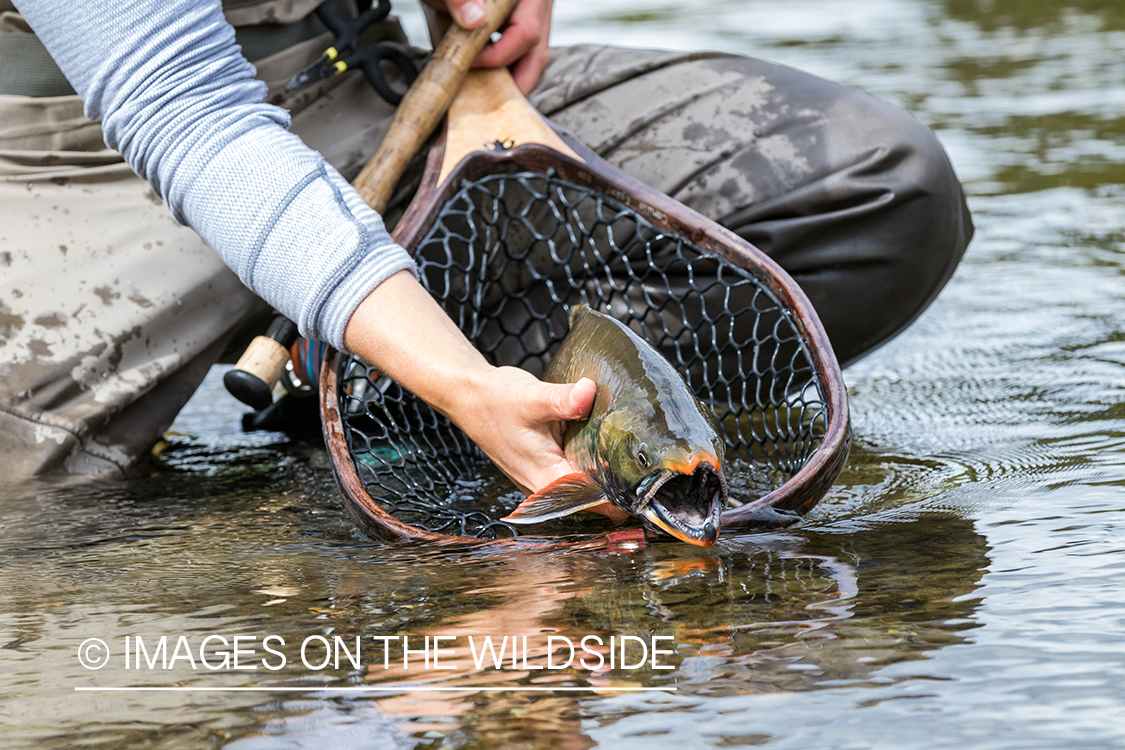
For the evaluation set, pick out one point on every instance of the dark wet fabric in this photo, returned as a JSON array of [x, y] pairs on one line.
[[852, 196]]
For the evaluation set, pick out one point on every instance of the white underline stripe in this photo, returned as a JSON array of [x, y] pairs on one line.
[[388, 688]]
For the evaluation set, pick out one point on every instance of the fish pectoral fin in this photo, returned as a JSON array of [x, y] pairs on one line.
[[566, 495]]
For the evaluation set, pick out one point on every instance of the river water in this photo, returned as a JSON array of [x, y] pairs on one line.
[[962, 586]]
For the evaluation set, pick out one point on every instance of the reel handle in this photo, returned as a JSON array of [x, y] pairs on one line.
[[262, 364]]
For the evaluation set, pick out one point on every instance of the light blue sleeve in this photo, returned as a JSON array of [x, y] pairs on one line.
[[180, 102]]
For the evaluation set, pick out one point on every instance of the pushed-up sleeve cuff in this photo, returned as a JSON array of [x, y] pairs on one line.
[[377, 266]]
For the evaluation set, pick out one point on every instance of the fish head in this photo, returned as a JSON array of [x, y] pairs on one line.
[[686, 502], [674, 485]]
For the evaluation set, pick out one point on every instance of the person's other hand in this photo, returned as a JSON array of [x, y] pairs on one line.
[[522, 45]]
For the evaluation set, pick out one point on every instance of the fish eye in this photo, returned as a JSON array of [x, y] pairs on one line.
[[642, 458]]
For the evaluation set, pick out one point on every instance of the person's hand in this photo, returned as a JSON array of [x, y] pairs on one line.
[[522, 45], [514, 417]]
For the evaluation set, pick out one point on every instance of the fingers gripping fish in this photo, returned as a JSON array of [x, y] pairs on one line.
[[649, 447]]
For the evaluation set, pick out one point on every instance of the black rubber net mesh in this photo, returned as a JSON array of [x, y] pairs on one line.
[[508, 256]]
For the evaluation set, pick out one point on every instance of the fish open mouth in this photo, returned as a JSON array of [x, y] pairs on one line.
[[687, 506]]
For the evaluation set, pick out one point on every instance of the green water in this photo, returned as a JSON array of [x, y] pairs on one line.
[[962, 586]]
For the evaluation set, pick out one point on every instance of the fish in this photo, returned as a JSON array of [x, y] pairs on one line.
[[649, 448]]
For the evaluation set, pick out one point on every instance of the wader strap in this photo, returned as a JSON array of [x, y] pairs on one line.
[[262, 29]]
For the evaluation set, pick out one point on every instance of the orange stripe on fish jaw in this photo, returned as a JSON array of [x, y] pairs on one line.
[[663, 526], [611, 511], [692, 463]]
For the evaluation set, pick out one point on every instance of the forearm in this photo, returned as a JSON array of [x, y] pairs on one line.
[[508, 412], [402, 331], [180, 103]]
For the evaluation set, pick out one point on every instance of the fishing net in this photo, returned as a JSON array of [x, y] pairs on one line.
[[507, 256]]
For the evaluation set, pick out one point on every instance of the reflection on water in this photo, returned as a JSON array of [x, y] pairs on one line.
[[960, 586], [758, 614]]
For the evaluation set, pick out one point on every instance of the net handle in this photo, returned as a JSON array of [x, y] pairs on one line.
[[425, 104], [491, 109]]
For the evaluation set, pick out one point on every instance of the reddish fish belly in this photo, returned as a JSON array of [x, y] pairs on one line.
[[611, 511]]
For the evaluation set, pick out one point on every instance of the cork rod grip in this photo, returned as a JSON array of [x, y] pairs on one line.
[[261, 365], [425, 104]]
